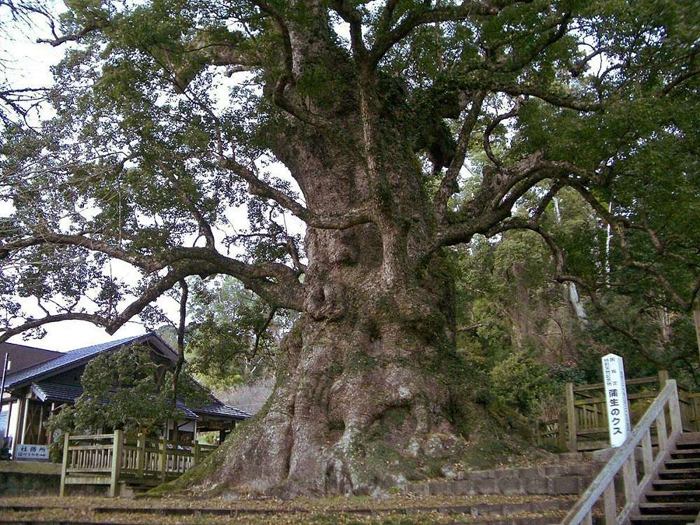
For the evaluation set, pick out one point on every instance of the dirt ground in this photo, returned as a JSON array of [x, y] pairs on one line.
[[395, 510]]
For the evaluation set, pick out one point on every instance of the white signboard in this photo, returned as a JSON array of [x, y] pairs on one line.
[[616, 400], [35, 452]]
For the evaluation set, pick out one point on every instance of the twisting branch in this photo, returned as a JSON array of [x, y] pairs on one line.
[[353, 17], [492, 126], [448, 185], [511, 64], [184, 292], [260, 188], [47, 237], [388, 38], [204, 226], [56, 318], [287, 105], [261, 331], [89, 28]]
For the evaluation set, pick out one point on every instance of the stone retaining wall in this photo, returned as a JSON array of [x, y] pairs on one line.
[[555, 480]]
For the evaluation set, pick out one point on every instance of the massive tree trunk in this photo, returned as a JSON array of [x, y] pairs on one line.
[[363, 396], [364, 393]]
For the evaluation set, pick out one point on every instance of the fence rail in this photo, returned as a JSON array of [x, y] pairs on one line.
[[108, 459], [583, 424], [601, 491]]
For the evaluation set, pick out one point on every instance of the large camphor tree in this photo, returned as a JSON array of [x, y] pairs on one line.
[[404, 128]]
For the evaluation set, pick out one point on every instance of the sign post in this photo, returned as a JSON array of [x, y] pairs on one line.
[[619, 425]]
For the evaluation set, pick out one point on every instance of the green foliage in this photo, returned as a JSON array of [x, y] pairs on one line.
[[234, 335], [518, 382], [127, 390]]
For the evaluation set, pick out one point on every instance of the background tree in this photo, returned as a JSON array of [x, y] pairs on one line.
[[234, 335], [169, 114]]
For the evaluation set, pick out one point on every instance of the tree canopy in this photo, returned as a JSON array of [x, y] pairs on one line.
[[392, 131], [146, 153]]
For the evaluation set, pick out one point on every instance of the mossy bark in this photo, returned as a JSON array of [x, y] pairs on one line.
[[364, 394], [361, 402]]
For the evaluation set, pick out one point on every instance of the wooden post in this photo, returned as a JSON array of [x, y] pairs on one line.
[[116, 463], [661, 432], [196, 453], [562, 430], [629, 475], [140, 455], [696, 322], [609, 504], [18, 428], [696, 411], [647, 453], [163, 458], [663, 378], [64, 467], [571, 417], [24, 419], [675, 412]]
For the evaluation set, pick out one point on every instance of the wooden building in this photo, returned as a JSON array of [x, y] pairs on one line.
[[39, 382]]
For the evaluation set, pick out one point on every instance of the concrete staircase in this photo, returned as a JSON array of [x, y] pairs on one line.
[[675, 492]]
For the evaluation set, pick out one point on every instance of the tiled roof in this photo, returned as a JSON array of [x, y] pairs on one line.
[[57, 392], [221, 410], [23, 356], [66, 361], [185, 410]]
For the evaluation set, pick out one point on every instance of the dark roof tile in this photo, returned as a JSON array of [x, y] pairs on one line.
[[57, 392], [221, 410], [66, 361]]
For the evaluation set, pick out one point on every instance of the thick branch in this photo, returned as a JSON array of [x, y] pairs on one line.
[[419, 17], [448, 186], [262, 189], [57, 318]]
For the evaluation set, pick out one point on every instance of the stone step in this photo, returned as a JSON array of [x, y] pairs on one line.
[[685, 507], [673, 495], [676, 484], [686, 453], [552, 480], [688, 440], [662, 520], [682, 463], [537, 512], [680, 473], [516, 520]]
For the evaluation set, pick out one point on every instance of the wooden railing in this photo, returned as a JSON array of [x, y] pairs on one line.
[[583, 425], [625, 460], [108, 459]]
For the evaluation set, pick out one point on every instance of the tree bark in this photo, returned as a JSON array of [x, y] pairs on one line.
[[696, 322], [367, 393], [367, 390]]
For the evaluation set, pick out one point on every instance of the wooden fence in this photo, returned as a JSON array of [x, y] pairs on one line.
[[583, 424], [602, 488], [110, 459]]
